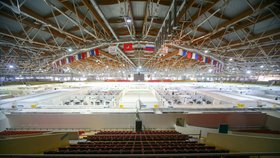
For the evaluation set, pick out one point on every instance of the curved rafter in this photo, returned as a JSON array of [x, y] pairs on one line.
[[248, 36]]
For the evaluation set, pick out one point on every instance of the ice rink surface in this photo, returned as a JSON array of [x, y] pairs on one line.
[[132, 96]]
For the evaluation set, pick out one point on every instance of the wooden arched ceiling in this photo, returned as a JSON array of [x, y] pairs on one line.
[[245, 32]]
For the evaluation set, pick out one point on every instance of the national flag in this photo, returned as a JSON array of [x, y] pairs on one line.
[[214, 62], [67, 60], [127, 47], [149, 48], [84, 55], [205, 59], [94, 52], [79, 56], [58, 63], [54, 65], [76, 57], [189, 55], [209, 60], [112, 50], [196, 56], [63, 61], [182, 52], [193, 55], [200, 58], [72, 59], [163, 50]]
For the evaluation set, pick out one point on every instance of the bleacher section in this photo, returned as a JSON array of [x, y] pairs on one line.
[[128, 142], [13, 133]]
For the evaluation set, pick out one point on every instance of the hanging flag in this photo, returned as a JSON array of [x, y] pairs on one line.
[[200, 58], [84, 55], [149, 48], [196, 57], [79, 56], [127, 47], [94, 52], [112, 50], [209, 60], [214, 62], [54, 65], [63, 61], [76, 57], [72, 58], [67, 60], [189, 55], [205, 59], [182, 52], [193, 55], [163, 51], [91, 52], [58, 63]]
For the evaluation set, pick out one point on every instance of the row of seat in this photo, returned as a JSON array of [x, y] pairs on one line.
[[144, 143], [143, 132], [105, 147], [132, 143], [137, 137], [11, 133], [139, 142], [161, 151]]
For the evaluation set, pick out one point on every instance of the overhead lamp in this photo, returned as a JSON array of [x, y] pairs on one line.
[[230, 59], [210, 70], [206, 51], [11, 66], [70, 49], [128, 20], [261, 66], [140, 67], [248, 71]]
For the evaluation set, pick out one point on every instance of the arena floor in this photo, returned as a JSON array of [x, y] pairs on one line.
[[147, 97]]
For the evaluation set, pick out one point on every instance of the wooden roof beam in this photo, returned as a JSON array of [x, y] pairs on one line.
[[169, 55], [37, 16], [237, 27], [33, 42], [184, 9], [260, 36], [236, 19], [199, 13], [30, 24], [96, 16], [204, 10]]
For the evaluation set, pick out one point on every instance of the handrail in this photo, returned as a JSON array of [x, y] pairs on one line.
[[147, 155]]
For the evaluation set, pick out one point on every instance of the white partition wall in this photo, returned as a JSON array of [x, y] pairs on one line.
[[92, 121]]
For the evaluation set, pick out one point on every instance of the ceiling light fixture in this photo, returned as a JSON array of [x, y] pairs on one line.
[[128, 20], [11, 66]]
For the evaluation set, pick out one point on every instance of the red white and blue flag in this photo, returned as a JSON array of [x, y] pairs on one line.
[[183, 53], [94, 52], [149, 48]]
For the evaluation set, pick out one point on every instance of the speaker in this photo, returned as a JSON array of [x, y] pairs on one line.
[[223, 128], [138, 126]]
